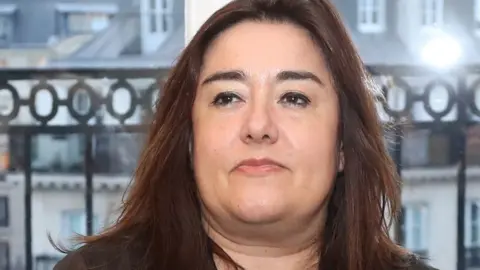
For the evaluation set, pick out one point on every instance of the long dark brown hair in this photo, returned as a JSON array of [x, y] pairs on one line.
[[161, 215]]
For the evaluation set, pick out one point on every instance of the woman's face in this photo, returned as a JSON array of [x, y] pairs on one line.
[[265, 124]]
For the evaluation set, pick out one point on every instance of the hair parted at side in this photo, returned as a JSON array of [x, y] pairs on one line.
[[161, 213]]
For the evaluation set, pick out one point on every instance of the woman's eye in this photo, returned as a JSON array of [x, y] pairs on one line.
[[295, 99], [225, 99]]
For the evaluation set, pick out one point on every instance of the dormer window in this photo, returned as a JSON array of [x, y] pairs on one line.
[[7, 18], [476, 18], [156, 23], [371, 16], [432, 13], [160, 15], [81, 18]]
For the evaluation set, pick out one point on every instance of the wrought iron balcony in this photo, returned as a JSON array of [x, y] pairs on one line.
[[45, 104], [472, 257]]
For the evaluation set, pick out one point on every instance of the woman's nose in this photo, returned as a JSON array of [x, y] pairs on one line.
[[259, 125]]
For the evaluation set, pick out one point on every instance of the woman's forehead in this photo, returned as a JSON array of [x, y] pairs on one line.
[[263, 48]]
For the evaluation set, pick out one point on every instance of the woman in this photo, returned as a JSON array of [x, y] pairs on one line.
[[265, 153]]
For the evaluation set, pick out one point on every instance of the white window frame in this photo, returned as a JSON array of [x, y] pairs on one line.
[[476, 18], [411, 225], [432, 12], [368, 8], [159, 15]]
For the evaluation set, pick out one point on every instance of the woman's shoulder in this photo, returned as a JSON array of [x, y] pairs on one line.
[[418, 263], [97, 256], [421, 266]]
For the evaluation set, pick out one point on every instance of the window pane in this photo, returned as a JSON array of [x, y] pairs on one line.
[[417, 216], [153, 23], [165, 25], [4, 256], [4, 211], [474, 239], [5, 28], [474, 210], [375, 17], [477, 15], [425, 12], [417, 238], [153, 5], [363, 17], [416, 228], [78, 23]]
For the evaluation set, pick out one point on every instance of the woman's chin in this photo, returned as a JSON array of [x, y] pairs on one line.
[[265, 209]]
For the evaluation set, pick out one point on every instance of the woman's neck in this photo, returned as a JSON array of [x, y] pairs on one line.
[[299, 255], [300, 260]]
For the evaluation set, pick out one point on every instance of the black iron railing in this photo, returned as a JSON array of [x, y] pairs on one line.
[[22, 128], [46, 262], [446, 125], [472, 257]]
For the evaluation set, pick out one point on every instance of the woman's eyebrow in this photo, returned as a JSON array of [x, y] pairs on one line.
[[284, 75], [296, 75], [228, 75]]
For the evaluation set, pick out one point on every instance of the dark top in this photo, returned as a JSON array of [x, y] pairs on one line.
[[108, 257]]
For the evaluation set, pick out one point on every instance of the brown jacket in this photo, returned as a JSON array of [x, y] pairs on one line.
[[103, 257]]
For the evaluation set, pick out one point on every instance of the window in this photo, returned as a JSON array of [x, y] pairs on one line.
[[4, 256], [477, 17], [74, 222], [422, 147], [472, 224], [432, 12], [415, 148], [78, 23], [4, 215], [472, 233], [414, 226], [371, 16], [160, 15], [6, 28], [7, 16], [81, 18]]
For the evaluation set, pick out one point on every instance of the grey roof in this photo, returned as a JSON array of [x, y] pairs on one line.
[[120, 46], [380, 48], [172, 49], [37, 25], [113, 52], [111, 42]]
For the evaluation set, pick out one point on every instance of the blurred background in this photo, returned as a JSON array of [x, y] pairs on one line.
[[78, 79]]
